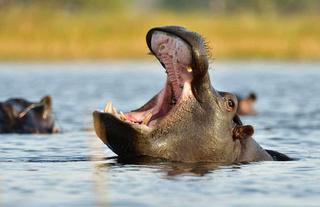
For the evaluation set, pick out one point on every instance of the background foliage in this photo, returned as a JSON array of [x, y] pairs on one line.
[[108, 29]]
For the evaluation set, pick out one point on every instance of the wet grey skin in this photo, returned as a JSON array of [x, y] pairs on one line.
[[18, 115], [188, 121]]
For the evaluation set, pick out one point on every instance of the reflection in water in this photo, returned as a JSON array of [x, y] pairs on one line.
[[99, 179], [168, 167]]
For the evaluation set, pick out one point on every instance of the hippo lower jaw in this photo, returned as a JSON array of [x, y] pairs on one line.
[[120, 131]]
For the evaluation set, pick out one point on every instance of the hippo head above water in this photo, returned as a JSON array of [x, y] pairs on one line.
[[21, 116], [188, 120]]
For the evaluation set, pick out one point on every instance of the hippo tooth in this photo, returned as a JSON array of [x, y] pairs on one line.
[[189, 69], [122, 116], [108, 107], [147, 118], [115, 112]]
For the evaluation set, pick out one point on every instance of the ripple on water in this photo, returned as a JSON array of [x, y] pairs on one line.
[[72, 169]]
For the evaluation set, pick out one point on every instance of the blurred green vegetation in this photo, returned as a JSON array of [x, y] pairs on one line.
[[108, 29]]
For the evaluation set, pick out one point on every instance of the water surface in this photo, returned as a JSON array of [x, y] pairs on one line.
[[75, 169]]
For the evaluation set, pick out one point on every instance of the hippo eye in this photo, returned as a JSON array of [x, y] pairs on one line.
[[230, 104]]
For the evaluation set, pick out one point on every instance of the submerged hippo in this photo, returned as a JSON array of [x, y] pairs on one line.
[[246, 104], [21, 116], [188, 120]]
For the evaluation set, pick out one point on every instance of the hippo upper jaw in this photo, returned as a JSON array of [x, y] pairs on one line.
[[196, 47]]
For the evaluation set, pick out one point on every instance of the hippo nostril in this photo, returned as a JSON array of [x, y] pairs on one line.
[[237, 120]]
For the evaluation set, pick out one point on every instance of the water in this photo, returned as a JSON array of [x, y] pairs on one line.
[[75, 169]]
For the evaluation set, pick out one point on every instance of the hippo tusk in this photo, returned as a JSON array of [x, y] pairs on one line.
[[108, 107], [123, 117]]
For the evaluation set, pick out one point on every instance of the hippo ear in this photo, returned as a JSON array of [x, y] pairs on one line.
[[46, 108], [47, 102], [242, 132]]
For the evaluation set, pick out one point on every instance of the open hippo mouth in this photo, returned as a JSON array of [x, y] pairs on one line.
[[176, 58], [175, 55], [176, 49]]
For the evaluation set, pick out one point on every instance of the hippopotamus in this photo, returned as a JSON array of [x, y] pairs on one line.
[[188, 120], [245, 104], [18, 115]]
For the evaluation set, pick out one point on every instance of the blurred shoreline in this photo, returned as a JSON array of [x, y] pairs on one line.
[[144, 63], [44, 34]]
